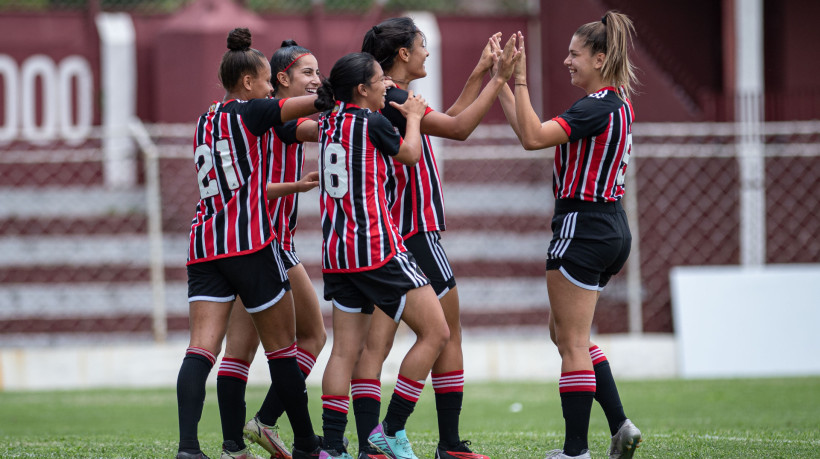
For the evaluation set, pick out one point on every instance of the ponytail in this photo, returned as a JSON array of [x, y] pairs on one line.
[[346, 75], [324, 96], [612, 36]]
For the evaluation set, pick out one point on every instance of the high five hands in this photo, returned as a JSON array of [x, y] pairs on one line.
[[511, 60]]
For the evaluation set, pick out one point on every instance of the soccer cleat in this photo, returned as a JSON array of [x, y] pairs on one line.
[[460, 451], [316, 453], [559, 454], [332, 454], [397, 447], [267, 437], [241, 454], [184, 455], [625, 441], [369, 452]]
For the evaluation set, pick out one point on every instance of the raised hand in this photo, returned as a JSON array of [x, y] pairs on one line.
[[487, 60], [510, 56], [520, 71]]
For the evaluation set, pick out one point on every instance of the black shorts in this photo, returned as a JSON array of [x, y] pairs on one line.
[[259, 278], [429, 254], [590, 241], [289, 258], [385, 286]]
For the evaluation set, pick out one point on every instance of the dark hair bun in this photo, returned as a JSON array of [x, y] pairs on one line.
[[286, 43], [239, 39]]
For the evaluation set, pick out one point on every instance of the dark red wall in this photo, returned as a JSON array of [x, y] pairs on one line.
[[680, 51]]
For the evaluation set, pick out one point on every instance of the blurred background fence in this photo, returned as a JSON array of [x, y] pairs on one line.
[[76, 256], [82, 255]]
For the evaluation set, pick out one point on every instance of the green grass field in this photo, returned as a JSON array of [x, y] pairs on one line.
[[746, 418]]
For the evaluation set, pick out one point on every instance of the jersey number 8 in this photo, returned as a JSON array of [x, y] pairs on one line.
[[334, 171], [208, 186]]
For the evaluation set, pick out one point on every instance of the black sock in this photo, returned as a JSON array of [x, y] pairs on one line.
[[606, 393], [190, 398], [398, 411], [576, 407], [366, 411], [272, 409], [448, 410], [289, 385], [230, 392], [333, 426]]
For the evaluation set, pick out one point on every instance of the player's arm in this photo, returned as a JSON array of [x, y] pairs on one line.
[[306, 183], [473, 85], [413, 109], [507, 99], [308, 131], [297, 107], [460, 127], [532, 133]]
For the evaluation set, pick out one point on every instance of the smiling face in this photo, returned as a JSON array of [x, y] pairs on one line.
[[584, 68], [302, 78], [416, 57], [371, 94]]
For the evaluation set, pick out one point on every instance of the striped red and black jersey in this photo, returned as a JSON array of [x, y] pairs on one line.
[[415, 192], [592, 165], [355, 153], [287, 160], [231, 157]]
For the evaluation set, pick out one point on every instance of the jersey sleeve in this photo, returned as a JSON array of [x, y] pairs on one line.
[[262, 114], [587, 117], [383, 135], [287, 132], [395, 117]]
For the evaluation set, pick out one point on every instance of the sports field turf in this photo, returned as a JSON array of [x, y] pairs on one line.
[[747, 418]]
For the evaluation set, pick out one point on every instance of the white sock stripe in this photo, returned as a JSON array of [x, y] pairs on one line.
[[578, 377], [372, 393], [234, 367], [458, 377], [283, 353], [338, 404], [203, 352], [365, 388], [579, 383], [405, 388], [596, 353], [452, 384], [305, 359]]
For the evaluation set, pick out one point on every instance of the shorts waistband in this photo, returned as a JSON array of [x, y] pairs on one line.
[[563, 206]]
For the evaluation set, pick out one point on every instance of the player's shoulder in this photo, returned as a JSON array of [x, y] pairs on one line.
[[395, 94]]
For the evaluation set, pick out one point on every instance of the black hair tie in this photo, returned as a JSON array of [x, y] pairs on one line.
[[603, 19], [377, 30]]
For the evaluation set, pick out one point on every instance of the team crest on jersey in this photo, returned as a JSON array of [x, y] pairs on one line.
[[599, 94]]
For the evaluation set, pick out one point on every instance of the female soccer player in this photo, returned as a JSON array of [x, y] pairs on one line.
[[295, 72], [591, 238], [417, 207], [363, 259], [232, 248]]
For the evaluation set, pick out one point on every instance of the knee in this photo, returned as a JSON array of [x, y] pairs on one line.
[[569, 347], [313, 342], [442, 336]]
